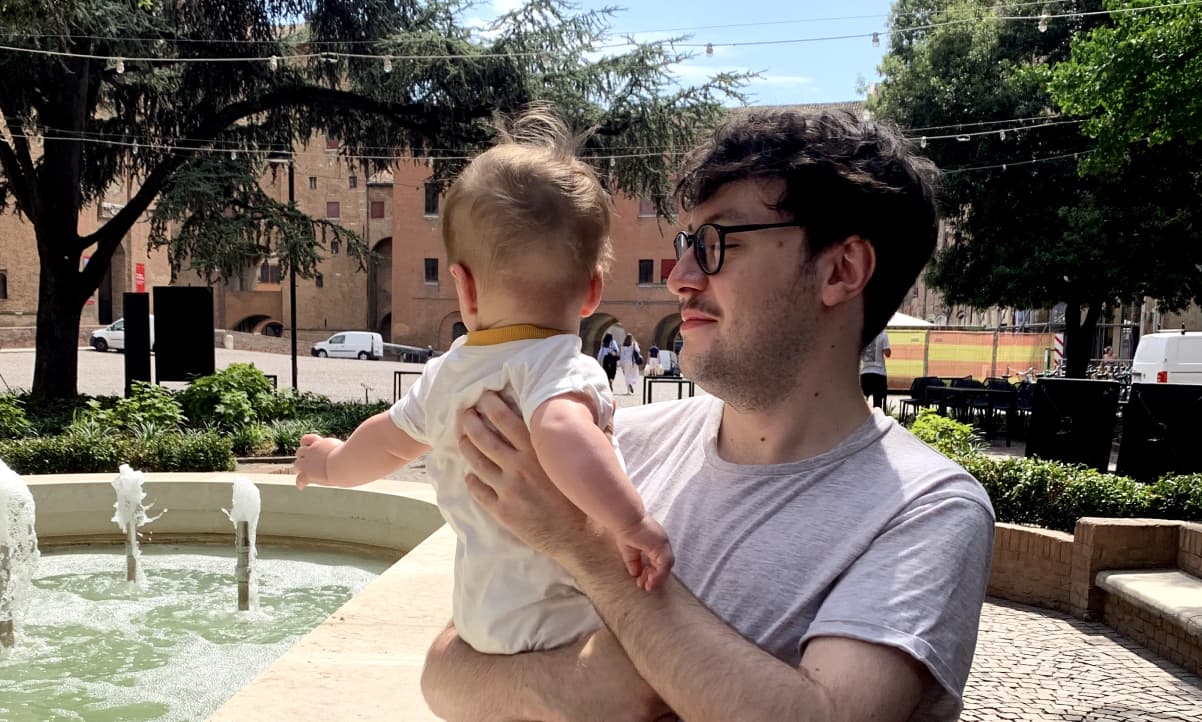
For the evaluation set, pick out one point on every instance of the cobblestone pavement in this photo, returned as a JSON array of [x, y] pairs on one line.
[[1036, 664]]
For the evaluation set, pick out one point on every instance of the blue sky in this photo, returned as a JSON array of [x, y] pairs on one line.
[[793, 72]]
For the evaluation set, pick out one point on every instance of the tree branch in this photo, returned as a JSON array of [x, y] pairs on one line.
[[18, 167], [410, 115]]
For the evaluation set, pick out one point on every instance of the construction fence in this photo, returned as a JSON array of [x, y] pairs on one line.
[[980, 354]]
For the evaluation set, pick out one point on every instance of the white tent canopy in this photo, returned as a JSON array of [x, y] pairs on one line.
[[903, 321]]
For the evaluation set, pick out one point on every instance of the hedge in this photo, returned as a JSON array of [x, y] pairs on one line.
[[1055, 495], [102, 454]]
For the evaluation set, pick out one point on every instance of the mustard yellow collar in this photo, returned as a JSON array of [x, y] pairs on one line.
[[505, 334]]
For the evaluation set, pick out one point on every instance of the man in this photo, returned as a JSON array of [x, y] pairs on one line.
[[873, 381], [830, 566]]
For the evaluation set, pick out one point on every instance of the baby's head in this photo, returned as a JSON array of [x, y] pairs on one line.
[[529, 222]]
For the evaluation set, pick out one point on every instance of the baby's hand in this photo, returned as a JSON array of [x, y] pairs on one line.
[[647, 541], [311, 458]]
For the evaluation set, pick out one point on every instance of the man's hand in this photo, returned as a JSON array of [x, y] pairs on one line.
[[496, 444], [311, 457]]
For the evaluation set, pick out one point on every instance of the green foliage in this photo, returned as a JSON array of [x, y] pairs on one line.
[[1034, 234], [147, 404], [1138, 78], [1179, 497], [948, 437], [286, 435], [251, 439], [90, 453], [52, 416], [341, 420], [13, 421], [230, 398]]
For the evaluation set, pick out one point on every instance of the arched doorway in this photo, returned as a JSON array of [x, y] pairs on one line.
[[592, 330], [379, 288], [385, 328], [110, 302], [667, 333]]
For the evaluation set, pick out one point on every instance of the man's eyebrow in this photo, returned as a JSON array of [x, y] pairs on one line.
[[728, 216]]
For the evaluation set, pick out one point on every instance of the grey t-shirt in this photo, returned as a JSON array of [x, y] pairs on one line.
[[880, 539]]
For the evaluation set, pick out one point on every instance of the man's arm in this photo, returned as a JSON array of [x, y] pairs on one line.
[[589, 680], [701, 667]]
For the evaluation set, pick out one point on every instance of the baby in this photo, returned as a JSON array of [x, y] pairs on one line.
[[526, 230]]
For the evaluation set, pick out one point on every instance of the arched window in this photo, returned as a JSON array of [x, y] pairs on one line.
[[3, 285]]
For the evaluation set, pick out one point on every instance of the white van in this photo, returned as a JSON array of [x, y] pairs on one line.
[[351, 344], [1168, 357], [113, 336]]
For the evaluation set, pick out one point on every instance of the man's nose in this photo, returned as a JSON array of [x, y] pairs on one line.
[[686, 277]]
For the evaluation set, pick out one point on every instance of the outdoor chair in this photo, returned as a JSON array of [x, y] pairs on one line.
[[918, 397]]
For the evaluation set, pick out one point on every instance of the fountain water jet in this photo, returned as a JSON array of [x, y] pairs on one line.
[[18, 552], [130, 514], [245, 516]]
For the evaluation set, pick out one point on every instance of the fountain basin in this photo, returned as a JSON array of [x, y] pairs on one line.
[[364, 662]]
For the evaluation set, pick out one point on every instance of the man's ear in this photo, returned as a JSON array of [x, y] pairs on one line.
[[596, 285], [465, 288], [850, 264]]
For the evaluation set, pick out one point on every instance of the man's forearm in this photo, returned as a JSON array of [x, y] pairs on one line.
[[460, 683], [701, 667]]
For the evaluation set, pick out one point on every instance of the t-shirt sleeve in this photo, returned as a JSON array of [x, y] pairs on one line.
[[919, 588], [884, 340], [567, 374], [409, 412]]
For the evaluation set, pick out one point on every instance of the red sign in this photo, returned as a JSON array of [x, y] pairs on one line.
[[140, 277]]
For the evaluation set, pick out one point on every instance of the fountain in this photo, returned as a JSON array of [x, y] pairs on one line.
[[130, 515], [245, 516], [18, 553]]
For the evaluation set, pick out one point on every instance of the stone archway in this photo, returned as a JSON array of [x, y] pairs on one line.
[[667, 332], [592, 330], [385, 327], [450, 328], [379, 287]]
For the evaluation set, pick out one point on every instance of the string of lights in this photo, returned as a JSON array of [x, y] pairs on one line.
[[709, 47]]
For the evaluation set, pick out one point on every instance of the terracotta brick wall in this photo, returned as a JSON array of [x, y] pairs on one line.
[[1189, 549], [1102, 544], [1151, 630], [1032, 566]]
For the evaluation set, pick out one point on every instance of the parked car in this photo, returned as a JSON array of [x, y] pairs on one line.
[[1168, 357], [351, 344], [113, 336]]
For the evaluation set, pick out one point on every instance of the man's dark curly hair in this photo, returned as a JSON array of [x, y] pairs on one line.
[[843, 176]]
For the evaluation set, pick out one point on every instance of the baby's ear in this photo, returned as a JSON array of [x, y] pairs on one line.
[[596, 286], [465, 287]]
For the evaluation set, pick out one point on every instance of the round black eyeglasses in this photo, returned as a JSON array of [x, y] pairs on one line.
[[709, 242]]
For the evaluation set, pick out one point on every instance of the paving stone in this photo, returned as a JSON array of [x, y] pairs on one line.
[[1037, 664]]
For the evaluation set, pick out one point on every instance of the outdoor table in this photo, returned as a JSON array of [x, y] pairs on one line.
[[962, 397], [680, 381], [398, 379]]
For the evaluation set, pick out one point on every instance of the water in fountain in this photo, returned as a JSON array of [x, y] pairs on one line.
[[130, 514], [245, 510], [18, 554]]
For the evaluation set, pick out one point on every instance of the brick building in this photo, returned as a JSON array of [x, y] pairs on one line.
[[425, 311]]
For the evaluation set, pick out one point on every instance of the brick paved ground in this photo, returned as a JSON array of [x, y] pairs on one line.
[[1036, 664]]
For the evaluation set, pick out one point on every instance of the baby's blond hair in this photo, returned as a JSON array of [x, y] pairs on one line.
[[525, 199]]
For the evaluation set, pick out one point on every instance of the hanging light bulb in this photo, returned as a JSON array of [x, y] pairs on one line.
[[1043, 21], [963, 138], [274, 63], [120, 66], [709, 50], [387, 64], [876, 40], [1003, 167], [1001, 134], [922, 142]]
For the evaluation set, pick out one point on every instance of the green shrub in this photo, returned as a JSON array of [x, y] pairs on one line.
[[286, 435], [229, 398], [277, 406], [86, 452], [13, 421], [48, 417], [148, 406], [251, 439], [948, 437], [1179, 497], [341, 420]]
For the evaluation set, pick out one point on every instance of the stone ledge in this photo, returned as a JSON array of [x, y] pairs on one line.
[[1171, 594]]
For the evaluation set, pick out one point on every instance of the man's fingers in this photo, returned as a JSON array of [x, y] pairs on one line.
[[505, 419], [477, 460], [481, 492]]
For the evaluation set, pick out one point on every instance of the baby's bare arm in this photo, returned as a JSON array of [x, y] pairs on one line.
[[375, 449]]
